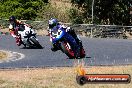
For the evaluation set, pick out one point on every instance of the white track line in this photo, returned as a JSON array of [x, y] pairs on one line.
[[12, 56]]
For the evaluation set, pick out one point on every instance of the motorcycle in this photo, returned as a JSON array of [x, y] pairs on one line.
[[66, 43], [27, 37]]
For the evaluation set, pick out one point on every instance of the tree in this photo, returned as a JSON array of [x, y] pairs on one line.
[[84, 9], [106, 11], [22, 9], [113, 11]]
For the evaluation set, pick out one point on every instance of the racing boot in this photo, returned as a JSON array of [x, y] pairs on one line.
[[18, 40], [54, 47]]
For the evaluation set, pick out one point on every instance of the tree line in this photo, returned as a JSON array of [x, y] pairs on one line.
[[104, 11], [22, 9]]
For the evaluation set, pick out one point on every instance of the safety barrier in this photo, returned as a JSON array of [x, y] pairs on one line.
[[103, 31], [89, 30]]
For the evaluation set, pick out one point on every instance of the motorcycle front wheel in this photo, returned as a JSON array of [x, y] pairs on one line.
[[36, 43], [66, 48]]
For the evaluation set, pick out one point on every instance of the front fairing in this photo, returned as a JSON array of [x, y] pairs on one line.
[[26, 34], [57, 34]]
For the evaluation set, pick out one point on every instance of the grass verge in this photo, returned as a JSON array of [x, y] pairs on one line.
[[61, 77]]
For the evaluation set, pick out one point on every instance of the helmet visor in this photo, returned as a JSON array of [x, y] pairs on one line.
[[51, 26], [12, 21]]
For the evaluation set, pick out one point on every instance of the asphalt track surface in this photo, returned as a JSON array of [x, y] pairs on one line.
[[99, 51]]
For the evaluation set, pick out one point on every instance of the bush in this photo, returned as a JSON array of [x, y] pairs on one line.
[[48, 11], [4, 23], [75, 16], [22, 9]]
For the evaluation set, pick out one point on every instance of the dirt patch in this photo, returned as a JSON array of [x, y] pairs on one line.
[[4, 30], [63, 77], [3, 55], [42, 32]]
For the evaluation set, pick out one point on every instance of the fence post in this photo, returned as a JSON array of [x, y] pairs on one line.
[[91, 34]]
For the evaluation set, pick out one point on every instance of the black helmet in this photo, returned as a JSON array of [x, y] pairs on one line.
[[12, 18]]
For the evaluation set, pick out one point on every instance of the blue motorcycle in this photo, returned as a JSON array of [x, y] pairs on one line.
[[66, 43]]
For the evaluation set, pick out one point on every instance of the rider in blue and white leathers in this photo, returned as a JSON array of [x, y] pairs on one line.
[[54, 22]]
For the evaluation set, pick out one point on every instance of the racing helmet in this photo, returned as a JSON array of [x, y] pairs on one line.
[[12, 19], [52, 22]]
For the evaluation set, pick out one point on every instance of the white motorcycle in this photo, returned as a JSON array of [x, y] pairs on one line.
[[27, 37]]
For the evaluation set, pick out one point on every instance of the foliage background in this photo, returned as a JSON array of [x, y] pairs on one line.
[[76, 11]]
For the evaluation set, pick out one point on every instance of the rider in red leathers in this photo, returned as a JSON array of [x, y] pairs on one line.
[[14, 27]]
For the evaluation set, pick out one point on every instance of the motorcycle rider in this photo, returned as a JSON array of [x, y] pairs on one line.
[[54, 22], [14, 27]]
